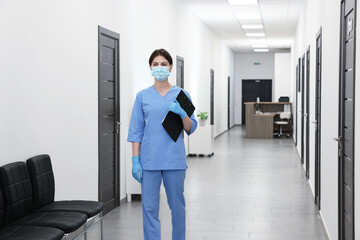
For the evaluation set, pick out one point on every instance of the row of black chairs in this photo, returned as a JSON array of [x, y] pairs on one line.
[[28, 210]]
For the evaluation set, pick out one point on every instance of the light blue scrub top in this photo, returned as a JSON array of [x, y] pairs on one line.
[[157, 150]]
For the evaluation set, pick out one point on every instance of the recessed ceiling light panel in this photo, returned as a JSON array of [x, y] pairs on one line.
[[243, 2], [261, 50]]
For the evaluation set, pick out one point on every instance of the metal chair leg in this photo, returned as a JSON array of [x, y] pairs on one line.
[[85, 233], [102, 227]]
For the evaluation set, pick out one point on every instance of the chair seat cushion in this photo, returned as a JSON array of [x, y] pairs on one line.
[[30, 233], [66, 221], [90, 208]]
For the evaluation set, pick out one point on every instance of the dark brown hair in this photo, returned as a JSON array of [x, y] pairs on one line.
[[161, 52]]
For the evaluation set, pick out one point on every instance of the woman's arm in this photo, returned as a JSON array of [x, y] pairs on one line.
[[187, 123], [135, 149]]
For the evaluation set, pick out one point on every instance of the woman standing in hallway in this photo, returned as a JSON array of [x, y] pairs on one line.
[[156, 157]]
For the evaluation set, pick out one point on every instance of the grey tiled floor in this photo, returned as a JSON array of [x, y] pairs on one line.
[[250, 189]]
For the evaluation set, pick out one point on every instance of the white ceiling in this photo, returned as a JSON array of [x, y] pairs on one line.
[[278, 17]]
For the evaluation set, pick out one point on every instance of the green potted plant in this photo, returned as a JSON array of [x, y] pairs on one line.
[[203, 117]]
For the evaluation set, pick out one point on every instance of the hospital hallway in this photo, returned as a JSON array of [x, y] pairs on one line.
[[250, 189]]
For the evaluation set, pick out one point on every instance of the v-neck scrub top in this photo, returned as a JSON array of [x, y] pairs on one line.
[[157, 150]]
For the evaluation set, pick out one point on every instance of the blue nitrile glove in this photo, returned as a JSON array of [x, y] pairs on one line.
[[176, 108], [136, 168]]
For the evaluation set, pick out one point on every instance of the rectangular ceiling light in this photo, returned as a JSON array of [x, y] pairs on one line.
[[252, 26], [242, 2], [255, 34], [261, 50]]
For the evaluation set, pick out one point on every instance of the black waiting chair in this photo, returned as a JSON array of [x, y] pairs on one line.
[[27, 232], [43, 183], [18, 202]]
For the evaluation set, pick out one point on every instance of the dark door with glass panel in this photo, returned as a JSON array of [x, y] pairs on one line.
[[109, 126], [253, 89], [307, 114], [318, 120], [302, 107], [346, 120], [211, 97], [180, 72]]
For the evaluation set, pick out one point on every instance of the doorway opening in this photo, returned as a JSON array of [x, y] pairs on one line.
[[347, 119], [253, 89], [307, 114], [180, 72], [211, 96], [108, 118], [302, 107], [318, 120], [229, 103]]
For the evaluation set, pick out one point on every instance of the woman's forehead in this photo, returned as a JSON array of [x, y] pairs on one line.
[[160, 59]]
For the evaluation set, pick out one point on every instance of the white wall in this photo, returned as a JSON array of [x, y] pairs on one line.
[[282, 74], [245, 69], [48, 72], [314, 17]]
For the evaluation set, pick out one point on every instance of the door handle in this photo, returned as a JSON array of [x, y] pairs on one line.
[[338, 139], [314, 122], [118, 127]]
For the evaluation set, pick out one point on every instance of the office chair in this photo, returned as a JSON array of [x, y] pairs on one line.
[[284, 120]]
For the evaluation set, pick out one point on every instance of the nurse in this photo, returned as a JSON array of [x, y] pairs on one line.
[[156, 157]]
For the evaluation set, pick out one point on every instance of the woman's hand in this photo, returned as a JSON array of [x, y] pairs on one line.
[[136, 168], [176, 108]]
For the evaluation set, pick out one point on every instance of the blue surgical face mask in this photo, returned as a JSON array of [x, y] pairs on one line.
[[160, 73]]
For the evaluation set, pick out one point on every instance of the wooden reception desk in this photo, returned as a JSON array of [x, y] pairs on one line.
[[262, 125]]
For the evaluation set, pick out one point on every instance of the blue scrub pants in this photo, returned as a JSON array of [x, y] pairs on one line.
[[150, 190]]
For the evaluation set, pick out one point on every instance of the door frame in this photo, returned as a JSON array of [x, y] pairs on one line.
[[116, 36], [307, 114], [341, 139], [318, 119]]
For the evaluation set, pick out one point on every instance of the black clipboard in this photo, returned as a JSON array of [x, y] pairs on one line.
[[173, 122]]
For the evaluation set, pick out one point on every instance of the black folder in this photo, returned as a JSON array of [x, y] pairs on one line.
[[173, 122]]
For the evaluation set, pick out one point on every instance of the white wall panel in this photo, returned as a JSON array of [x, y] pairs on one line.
[[48, 87]]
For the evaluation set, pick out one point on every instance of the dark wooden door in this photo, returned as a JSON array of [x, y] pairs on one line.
[[211, 97], [318, 120], [180, 72], [252, 89], [302, 107], [109, 116], [346, 120], [229, 102], [298, 88], [307, 113]]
